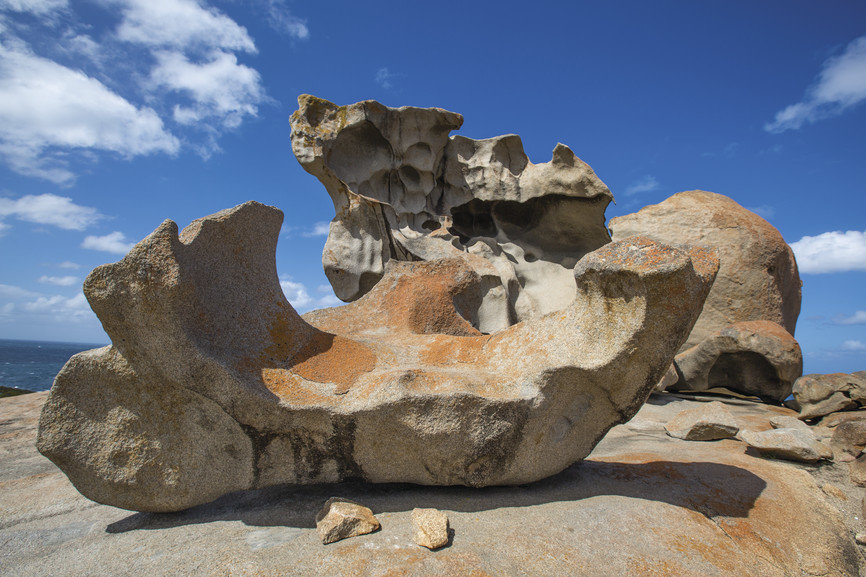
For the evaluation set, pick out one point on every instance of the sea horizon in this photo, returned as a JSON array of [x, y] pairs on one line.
[[32, 364]]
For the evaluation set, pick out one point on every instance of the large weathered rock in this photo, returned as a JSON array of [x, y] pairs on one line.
[[820, 395], [213, 382], [404, 190], [793, 444], [758, 278], [757, 358], [708, 422]]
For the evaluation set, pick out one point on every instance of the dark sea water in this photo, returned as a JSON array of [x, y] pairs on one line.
[[33, 365]]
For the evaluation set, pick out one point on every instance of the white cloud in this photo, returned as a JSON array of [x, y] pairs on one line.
[[321, 228], [384, 78], [8, 291], [35, 7], [114, 242], [51, 209], [646, 184], [46, 108], [834, 251], [70, 265], [61, 308], [182, 24], [858, 318], [59, 280], [324, 288], [854, 346], [765, 210], [296, 293], [283, 20], [841, 85], [218, 87]]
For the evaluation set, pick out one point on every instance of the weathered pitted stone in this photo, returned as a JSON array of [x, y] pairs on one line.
[[708, 422], [213, 383], [340, 519], [753, 357], [430, 528], [403, 190], [758, 278], [792, 444], [820, 395]]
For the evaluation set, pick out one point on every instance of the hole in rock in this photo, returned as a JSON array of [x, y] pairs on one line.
[[744, 371], [430, 225]]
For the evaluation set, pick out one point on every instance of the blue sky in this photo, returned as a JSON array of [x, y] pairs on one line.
[[118, 114]]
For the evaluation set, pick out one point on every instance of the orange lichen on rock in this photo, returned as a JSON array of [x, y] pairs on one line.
[[334, 359]]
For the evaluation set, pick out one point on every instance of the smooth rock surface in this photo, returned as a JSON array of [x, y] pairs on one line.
[[215, 384], [340, 519], [784, 422], [641, 504], [758, 278], [791, 444], [709, 422], [820, 395], [755, 358], [430, 528], [403, 189]]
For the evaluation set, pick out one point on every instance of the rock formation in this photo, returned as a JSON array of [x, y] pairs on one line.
[[743, 339], [404, 190], [757, 358], [214, 384], [819, 395]]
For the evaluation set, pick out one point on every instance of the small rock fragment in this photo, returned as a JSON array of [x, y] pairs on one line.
[[790, 444], [783, 422], [705, 423], [834, 491], [341, 519], [431, 528], [860, 538]]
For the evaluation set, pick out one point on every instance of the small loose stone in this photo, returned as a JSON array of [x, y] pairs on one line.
[[431, 528]]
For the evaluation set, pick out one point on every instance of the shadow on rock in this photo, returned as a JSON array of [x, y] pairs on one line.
[[711, 489]]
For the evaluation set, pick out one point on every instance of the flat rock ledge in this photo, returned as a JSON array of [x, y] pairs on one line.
[[642, 503], [214, 384]]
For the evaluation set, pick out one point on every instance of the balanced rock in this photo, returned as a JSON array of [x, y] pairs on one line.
[[340, 519], [709, 422], [758, 278], [790, 444], [757, 358], [213, 383], [403, 189], [430, 528], [820, 395]]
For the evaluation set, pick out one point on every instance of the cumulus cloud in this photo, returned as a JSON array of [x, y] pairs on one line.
[[296, 293], [8, 291], [47, 108], [49, 209], [175, 63], [646, 184], [854, 346], [834, 251], [113, 242], [858, 318], [218, 88], [61, 308], [840, 85], [180, 24], [59, 280]]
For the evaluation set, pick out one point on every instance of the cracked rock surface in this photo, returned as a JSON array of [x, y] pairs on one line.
[[405, 190], [213, 383]]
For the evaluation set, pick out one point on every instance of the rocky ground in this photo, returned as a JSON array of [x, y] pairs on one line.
[[643, 503]]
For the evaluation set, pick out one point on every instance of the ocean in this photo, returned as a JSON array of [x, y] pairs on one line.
[[32, 365]]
